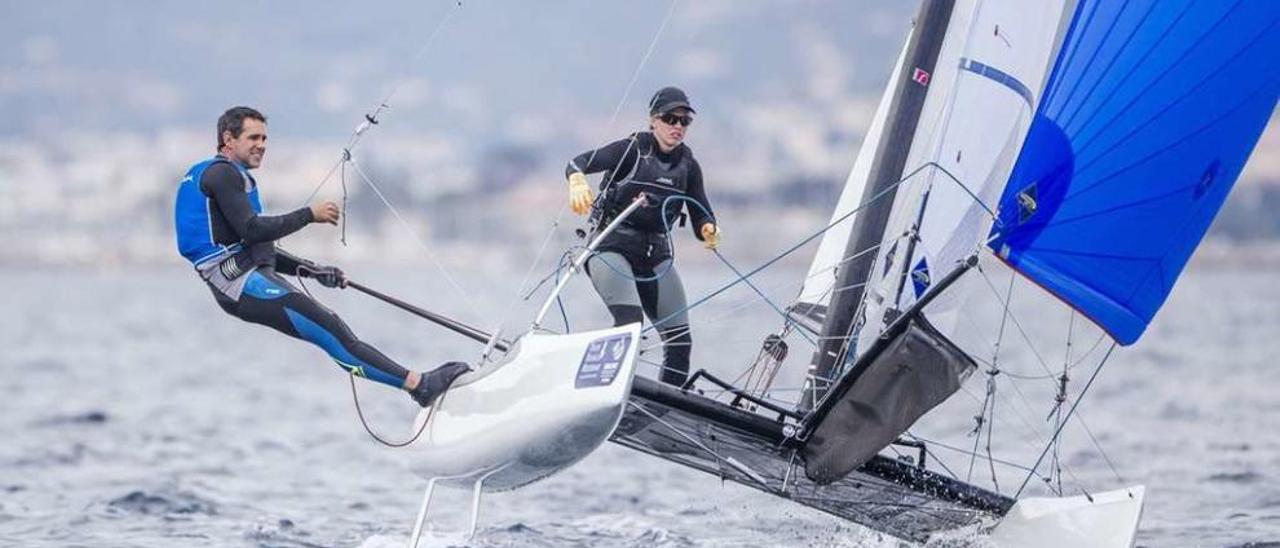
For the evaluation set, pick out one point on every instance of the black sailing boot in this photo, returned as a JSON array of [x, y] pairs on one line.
[[676, 344], [434, 383]]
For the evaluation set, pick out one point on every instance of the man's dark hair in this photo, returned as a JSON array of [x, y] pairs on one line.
[[233, 120]]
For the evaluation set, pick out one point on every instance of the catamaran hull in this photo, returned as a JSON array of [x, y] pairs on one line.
[[1102, 520], [553, 401]]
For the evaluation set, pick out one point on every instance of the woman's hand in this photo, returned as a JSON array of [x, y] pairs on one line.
[[580, 196], [710, 235]]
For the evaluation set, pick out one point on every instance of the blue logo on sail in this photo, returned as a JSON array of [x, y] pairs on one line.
[[1207, 178], [920, 279], [1028, 203]]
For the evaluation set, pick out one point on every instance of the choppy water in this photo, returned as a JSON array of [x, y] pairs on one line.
[[136, 414]]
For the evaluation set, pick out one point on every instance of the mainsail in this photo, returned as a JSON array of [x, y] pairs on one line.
[[979, 112]]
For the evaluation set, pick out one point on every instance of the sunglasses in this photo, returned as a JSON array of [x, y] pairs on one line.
[[676, 119]]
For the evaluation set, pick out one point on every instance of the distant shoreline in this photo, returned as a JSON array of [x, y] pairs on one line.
[[1214, 253]]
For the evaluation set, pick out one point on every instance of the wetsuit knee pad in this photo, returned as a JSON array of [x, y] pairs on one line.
[[626, 314]]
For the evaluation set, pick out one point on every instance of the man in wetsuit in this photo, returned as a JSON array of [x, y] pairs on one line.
[[633, 268], [222, 231]]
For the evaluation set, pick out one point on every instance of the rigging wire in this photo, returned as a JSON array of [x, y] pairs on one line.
[[742, 277], [1017, 324], [987, 415], [826, 294], [1098, 445], [1058, 431], [735, 309], [355, 396], [1027, 423], [431, 411], [1078, 417], [966, 452], [1029, 430], [371, 119], [671, 263], [414, 234], [1058, 400], [617, 110]]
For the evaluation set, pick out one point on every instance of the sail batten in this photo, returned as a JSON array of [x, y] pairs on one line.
[[1151, 111]]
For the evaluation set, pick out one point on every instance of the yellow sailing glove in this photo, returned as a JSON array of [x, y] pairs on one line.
[[580, 196], [710, 235]]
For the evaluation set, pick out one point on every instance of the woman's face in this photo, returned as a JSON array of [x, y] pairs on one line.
[[669, 128]]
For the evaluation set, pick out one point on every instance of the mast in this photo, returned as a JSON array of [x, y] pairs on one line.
[[911, 89]]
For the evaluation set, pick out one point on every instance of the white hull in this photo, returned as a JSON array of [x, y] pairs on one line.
[[1110, 520], [552, 401]]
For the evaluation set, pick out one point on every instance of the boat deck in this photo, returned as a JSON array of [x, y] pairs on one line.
[[886, 495]]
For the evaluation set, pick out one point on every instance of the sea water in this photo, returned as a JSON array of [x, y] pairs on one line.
[[136, 413]]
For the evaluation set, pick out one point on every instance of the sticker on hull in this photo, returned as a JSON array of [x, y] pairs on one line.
[[603, 360]]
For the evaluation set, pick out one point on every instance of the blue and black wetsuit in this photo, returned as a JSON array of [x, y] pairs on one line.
[[222, 231], [633, 269]]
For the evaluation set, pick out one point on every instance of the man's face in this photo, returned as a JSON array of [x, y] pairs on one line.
[[250, 146]]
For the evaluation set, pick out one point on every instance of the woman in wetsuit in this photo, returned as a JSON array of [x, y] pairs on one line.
[[632, 269]]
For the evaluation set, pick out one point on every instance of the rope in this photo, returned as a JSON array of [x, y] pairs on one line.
[[555, 224], [431, 411], [790, 250], [1078, 417], [1058, 431], [355, 397], [627, 93], [418, 239], [371, 119], [1059, 399], [666, 224]]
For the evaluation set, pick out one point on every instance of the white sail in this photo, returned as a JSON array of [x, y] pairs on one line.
[[820, 281], [972, 127]]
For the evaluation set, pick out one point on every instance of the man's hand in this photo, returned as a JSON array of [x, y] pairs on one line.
[[330, 276], [325, 212], [580, 195], [710, 235]]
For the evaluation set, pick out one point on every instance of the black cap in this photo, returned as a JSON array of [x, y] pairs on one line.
[[668, 99]]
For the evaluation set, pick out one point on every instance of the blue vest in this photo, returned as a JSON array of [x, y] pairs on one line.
[[193, 214]]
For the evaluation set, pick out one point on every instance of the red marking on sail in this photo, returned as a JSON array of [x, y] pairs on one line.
[[920, 76]]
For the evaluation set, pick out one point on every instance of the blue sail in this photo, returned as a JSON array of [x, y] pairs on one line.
[[1148, 116]]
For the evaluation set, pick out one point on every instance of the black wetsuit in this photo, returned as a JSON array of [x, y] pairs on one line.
[[260, 294], [637, 165], [633, 270]]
